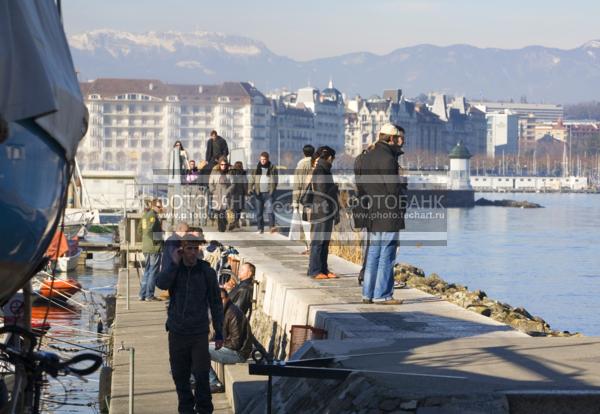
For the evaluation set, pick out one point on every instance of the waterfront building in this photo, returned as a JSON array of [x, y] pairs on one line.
[[502, 133], [134, 122], [463, 122], [530, 116], [431, 130], [308, 116]]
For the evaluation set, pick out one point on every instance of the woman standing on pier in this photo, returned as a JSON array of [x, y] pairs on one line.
[[178, 164], [324, 211], [220, 187]]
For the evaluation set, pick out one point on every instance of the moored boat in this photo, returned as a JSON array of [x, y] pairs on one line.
[[66, 264], [59, 289]]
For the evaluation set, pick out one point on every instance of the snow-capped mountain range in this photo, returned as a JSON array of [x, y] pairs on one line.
[[540, 73]]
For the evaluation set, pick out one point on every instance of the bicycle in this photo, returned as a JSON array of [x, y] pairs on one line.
[[30, 366]]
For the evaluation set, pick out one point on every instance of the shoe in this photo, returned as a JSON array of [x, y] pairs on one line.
[[321, 276], [141, 299], [305, 253], [332, 275], [274, 230], [217, 388], [399, 285], [367, 301], [260, 232], [388, 302], [153, 299]]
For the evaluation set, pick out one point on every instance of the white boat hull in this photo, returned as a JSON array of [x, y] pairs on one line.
[[68, 263]]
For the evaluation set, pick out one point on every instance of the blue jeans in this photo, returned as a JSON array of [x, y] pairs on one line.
[[150, 274], [264, 205], [320, 236], [224, 356], [379, 270]]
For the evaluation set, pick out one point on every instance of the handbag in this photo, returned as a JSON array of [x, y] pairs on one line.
[[306, 200]]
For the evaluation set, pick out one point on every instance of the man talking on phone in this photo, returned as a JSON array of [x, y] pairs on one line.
[[193, 289]]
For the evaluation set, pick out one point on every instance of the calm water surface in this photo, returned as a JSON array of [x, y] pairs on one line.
[[546, 260], [77, 325]]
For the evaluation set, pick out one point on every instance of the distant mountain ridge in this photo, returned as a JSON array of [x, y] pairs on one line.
[[537, 72]]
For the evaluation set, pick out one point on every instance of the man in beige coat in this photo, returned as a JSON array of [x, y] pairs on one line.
[[302, 176]]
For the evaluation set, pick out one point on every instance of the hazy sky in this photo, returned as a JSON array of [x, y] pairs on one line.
[[308, 29]]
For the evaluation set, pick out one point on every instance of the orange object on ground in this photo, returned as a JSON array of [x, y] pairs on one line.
[[59, 243], [59, 289]]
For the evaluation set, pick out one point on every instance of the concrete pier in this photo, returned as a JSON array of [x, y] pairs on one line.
[[407, 355], [143, 327], [423, 356]]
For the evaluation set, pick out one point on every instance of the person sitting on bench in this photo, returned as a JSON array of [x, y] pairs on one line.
[[237, 344]]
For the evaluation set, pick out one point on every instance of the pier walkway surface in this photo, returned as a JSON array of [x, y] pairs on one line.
[[143, 327]]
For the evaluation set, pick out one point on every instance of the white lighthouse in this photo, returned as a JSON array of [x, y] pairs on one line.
[[460, 167]]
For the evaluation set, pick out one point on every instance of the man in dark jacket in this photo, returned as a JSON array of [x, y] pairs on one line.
[[242, 294], [380, 181], [324, 211], [238, 340], [216, 147], [193, 289], [263, 184]]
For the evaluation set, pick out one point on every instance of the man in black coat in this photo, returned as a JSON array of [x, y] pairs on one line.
[[324, 208], [216, 147], [242, 294], [385, 194], [193, 291]]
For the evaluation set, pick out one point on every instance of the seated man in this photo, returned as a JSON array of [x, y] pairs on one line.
[[241, 295], [237, 344]]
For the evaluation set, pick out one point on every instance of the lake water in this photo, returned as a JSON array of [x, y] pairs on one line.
[[77, 325], [546, 260]]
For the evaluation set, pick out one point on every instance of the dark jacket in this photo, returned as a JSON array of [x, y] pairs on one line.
[[325, 193], [236, 330], [382, 185], [215, 149], [254, 183], [192, 290], [242, 294], [239, 190]]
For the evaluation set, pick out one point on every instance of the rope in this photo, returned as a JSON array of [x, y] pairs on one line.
[[77, 345]]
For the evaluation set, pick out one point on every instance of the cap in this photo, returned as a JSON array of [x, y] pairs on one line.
[[389, 129]]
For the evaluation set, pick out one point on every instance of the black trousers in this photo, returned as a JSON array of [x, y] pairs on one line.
[[320, 236], [222, 220], [188, 354]]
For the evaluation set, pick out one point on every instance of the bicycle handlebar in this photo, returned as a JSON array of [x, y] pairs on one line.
[[95, 358], [47, 361]]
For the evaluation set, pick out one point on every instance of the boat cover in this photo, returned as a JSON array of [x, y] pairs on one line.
[[37, 78]]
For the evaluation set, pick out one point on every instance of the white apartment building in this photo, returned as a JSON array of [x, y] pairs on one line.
[[328, 108], [541, 112], [502, 133], [135, 122], [308, 116], [428, 130]]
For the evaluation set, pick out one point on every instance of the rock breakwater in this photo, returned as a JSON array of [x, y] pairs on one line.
[[477, 301]]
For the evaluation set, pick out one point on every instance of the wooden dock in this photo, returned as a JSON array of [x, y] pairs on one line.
[[143, 327]]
